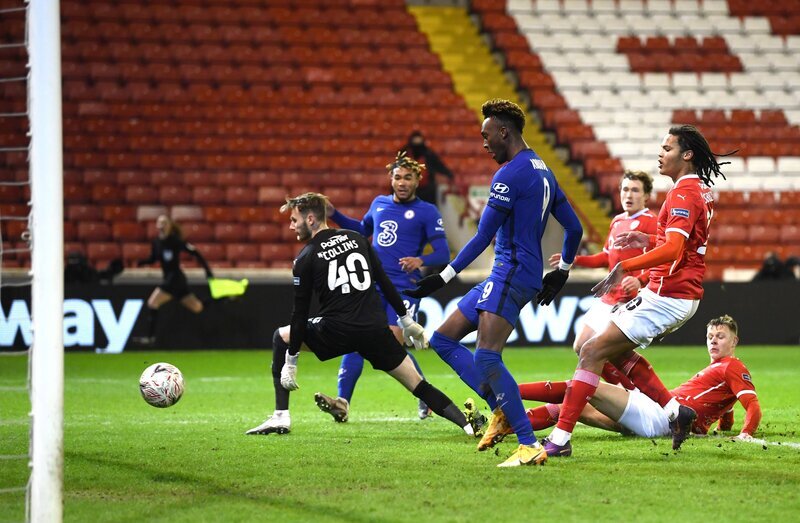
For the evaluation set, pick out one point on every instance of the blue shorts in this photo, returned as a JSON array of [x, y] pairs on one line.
[[412, 306], [498, 297]]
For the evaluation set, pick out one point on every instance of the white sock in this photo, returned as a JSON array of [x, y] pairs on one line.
[[559, 436], [468, 429], [671, 408], [281, 414]]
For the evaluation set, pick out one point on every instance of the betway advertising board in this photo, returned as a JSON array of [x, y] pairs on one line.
[[105, 318]]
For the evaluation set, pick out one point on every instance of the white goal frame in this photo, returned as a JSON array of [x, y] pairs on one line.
[[45, 491]]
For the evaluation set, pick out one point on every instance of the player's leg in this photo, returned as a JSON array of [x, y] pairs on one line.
[[645, 318], [446, 342], [349, 371], [423, 411], [280, 421], [594, 354], [157, 298], [383, 351], [493, 331], [193, 303], [437, 400], [595, 321], [641, 374]]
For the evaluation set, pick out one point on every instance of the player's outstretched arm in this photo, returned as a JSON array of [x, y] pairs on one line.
[[667, 252], [153, 257], [191, 249], [490, 222], [363, 227]]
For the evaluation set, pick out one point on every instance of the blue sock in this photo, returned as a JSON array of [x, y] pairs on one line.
[[349, 372], [461, 360], [506, 391], [416, 365]]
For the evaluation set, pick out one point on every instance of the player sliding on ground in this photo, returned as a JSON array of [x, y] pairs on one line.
[[711, 393], [523, 194], [670, 298], [341, 267]]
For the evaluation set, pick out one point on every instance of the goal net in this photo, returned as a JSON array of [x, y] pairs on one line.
[[31, 253]]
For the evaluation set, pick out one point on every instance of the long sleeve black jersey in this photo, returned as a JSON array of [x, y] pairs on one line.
[[342, 268], [168, 252]]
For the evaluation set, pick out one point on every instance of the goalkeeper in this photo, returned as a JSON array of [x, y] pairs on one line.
[[342, 268], [167, 248]]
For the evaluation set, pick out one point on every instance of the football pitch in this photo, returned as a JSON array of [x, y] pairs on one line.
[[127, 461]]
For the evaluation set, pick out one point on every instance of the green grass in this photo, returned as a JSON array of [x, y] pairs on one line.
[[127, 461]]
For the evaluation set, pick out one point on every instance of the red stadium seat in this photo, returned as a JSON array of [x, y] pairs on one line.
[[133, 252], [94, 231], [242, 252], [230, 232], [205, 195], [197, 231], [101, 253], [730, 233], [281, 252], [763, 234], [128, 231], [263, 232]]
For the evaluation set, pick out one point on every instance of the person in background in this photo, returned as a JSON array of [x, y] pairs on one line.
[[167, 249], [417, 149]]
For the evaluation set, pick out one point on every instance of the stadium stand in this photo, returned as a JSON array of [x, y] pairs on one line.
[[609, 78], [215, 113]]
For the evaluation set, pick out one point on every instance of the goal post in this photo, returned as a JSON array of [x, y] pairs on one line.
[[45, 501]]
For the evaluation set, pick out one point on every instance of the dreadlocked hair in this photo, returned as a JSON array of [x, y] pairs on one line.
[[401, 160], [506, 111], [704, 159]]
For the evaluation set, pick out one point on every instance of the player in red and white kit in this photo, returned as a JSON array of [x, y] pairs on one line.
[[674, 290], [712, 393], [634, 191]]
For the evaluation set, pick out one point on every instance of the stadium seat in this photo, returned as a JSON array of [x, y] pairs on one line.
[[229, 232], [128, 231], [94, 231]]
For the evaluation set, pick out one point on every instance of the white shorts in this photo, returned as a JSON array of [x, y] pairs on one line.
[[644, 417], [598, 316], [649, 316]]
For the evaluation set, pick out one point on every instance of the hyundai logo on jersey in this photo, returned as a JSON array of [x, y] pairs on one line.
[[500, 188]]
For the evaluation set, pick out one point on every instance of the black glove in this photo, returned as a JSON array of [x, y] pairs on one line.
[[209, 274], [552, 283], [426, 286]]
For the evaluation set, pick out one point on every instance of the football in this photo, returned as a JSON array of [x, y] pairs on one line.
[[161, 385]]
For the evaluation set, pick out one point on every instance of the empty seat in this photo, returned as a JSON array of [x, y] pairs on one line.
[[128, 231], [94, 231]]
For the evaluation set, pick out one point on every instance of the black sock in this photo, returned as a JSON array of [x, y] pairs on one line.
[[151, 328], [439, 403], [278, 359]]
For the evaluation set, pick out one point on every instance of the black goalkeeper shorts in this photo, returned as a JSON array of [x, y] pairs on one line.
[[175, 285], [329, 340]]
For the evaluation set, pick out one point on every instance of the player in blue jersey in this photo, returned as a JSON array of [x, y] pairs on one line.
[[524, 192], [401, 225]]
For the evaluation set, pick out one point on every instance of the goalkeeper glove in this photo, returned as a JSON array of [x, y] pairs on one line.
[[429, 284], [552, 283], [289, 372], [413, 333]]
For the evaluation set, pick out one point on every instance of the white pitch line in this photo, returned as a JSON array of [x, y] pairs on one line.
[[14, 456], [789, 444], [12, 489]]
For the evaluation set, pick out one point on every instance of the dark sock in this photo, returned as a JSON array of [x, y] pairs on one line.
[[278, 359], [151, 328], [439, 403]]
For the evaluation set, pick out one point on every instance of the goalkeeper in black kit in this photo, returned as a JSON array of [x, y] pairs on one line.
[[342, 268]]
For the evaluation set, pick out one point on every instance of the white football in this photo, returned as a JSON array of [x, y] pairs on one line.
[[161, 385]]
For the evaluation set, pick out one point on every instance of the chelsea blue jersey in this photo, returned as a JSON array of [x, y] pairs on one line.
[[525, 190], [399, 230]]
